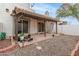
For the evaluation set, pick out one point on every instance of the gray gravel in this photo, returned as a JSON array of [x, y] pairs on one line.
[[57, 46]]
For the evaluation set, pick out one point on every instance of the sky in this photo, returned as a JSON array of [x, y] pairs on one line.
[[41, 8]]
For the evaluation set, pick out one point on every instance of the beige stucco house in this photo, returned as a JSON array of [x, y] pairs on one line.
[[17, 18]]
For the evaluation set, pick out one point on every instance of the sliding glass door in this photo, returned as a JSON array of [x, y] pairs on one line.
[[23, 26]]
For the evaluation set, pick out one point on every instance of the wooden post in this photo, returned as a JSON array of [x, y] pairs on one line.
[[16, 28], [22, 25], [56, 28], [29, 22], [44, 28]]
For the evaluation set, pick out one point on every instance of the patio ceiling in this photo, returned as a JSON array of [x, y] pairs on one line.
[[19, 11]]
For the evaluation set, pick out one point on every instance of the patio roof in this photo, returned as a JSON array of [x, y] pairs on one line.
[[19, 11]]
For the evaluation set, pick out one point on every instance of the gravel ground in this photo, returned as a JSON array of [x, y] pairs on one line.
[[58, 46]]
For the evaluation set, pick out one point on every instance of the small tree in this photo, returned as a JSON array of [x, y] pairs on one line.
[[67, 10]]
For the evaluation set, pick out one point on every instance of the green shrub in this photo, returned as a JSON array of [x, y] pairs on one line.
[[2, 35]]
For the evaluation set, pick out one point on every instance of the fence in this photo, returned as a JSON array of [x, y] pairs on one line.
[[69, 29]]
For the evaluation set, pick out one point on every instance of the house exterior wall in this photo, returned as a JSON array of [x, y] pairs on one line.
[[34, 26], [6, 19]]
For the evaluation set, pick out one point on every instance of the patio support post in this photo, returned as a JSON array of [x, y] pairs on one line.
[[44, 28], [16, 28], [22, 26], [56, 28], [29, 25]]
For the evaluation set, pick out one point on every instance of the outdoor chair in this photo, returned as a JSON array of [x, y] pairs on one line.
[[28, 38]]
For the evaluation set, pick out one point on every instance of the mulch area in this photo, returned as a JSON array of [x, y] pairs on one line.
[[5, 43]]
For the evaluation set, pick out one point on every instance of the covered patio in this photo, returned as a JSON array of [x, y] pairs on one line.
[[19, 15]]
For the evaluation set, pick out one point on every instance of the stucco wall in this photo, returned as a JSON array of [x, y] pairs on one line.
[[33, 26], [69, 29]]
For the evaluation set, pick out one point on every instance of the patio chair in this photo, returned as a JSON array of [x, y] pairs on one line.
[[28, 38]]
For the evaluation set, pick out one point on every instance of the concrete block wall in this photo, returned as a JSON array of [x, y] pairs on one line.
[[69, 29]]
